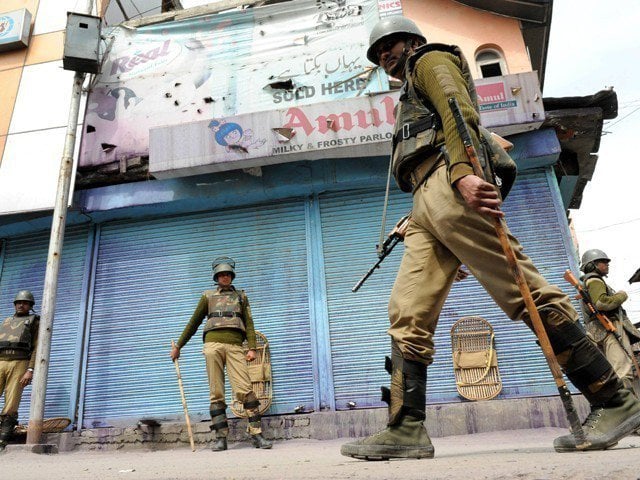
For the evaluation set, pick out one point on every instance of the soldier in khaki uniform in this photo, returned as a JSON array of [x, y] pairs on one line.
[[18, 341], [229, 323], [595, 265], [451, 224]]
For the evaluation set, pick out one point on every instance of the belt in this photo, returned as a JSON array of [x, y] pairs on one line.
[[424, 170], [224, 314]]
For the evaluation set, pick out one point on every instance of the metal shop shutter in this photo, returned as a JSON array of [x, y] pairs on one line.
[[25, 261], [149, 278], [358, 321]]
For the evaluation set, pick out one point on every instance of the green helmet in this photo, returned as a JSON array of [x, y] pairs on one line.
[[24, 295], [388, 26], [590, 257], [223, 264]]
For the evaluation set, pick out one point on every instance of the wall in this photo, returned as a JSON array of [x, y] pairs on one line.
[[446, 21]]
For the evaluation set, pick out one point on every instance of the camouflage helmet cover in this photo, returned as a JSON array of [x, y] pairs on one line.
[[591, 256], [223, 264], [26, 296], [388, 26]]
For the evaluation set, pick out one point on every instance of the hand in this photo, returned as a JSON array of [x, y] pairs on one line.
[[481, 196], [400, 230], [26, 378], [175, 353], [251, 355], [461, 274]]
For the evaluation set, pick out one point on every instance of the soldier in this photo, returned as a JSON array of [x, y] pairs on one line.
[[595, 265], [18, 341], [229, 323], [451, 224]]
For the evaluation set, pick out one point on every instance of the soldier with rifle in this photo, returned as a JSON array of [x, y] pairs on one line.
[[615, 342], [18, 341], [454, 221], [228, 324]]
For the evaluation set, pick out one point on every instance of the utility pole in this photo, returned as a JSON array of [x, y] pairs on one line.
[[41, 370]]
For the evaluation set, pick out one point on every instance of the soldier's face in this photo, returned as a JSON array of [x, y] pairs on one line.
[[602, 267], [22, 307], [389, 52], [224, 279]]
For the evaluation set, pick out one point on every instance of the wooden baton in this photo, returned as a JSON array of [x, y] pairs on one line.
[[184, 400], [536, 321]]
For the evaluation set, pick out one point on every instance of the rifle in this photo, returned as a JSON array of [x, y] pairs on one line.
[[525, 291], [583, 294], [396, 235]]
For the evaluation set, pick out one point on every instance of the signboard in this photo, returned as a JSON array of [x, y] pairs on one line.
[[510, 104], [14, 29], [262, 138], [389, 7], [226, 64]]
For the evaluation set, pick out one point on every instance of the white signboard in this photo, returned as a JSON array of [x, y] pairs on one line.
[[236, 62], [277, 136]]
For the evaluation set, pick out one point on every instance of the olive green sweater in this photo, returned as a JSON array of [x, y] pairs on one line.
[[231, 336], [438, 76]]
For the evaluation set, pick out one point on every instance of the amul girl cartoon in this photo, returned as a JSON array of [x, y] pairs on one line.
[[233, 137]]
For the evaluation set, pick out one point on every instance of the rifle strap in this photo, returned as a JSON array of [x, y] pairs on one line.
[[386, 204]]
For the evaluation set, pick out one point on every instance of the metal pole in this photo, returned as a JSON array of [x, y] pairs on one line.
[[41, 370]]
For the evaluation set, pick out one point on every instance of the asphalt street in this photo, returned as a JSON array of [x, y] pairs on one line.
[[516, 454]]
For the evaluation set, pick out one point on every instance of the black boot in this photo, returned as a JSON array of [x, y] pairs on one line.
[[405, 435], [220, 444], [7, 426], [259, 441], [615, 411]]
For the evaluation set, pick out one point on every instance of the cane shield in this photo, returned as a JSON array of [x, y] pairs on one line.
[[260, 374], [475, 360]]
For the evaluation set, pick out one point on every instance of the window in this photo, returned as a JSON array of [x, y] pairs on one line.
[[490, 63]]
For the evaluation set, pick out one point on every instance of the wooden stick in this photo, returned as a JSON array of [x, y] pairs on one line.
[[184, 400], [534, 315]]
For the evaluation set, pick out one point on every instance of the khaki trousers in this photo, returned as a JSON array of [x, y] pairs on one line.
[[11, 371], [445, 232], [617, 356], [219, 355]]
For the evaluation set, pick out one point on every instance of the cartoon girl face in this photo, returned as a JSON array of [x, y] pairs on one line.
[[233, 137]]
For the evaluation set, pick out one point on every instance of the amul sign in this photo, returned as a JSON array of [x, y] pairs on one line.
[[492, 96], [14, 29]]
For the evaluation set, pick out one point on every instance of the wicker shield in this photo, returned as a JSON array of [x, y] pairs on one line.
[[49, 425], [475, 361], [260, 373]]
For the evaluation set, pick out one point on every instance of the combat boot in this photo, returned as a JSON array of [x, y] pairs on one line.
[[259, 441], [7, 427], [220, 444], [606, 424], [615, 411], [405, 435], [407, 439]]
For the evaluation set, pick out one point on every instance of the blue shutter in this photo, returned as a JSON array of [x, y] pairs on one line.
[[358, 321], [25, 261], [149, 278]]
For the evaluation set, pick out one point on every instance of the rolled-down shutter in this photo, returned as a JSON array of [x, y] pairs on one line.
[[358, 321], [149, 278], [25, 261]]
